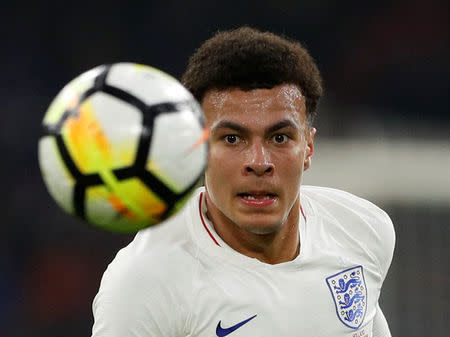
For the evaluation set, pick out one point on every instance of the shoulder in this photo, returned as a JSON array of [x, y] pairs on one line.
[[341, 204], [147, 287], [355, 219], [156, 253]]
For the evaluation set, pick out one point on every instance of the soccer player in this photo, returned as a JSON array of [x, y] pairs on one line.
[[254, 253]]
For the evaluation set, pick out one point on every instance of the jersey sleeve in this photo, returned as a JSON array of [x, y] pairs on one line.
[[136, 299], [383, 239], [380, 326], [366, 224]]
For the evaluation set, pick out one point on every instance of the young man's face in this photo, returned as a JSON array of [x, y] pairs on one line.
[[260, 145]]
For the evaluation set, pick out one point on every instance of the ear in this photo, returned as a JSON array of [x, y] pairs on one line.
[[309, 150]]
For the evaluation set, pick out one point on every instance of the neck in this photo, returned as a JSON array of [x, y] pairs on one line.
[[282, 245]]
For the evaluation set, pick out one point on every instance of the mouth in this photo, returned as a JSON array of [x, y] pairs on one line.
[[257, 198], [257, 195]]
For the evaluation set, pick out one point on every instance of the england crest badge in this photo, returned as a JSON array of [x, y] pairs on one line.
[[349, 292]]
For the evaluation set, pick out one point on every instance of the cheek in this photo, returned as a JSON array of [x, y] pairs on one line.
[[214, 158], [218, 166], [292, 159], [218, 176], [292, 166]]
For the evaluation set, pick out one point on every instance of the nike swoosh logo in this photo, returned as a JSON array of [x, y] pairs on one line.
[[221, 332]]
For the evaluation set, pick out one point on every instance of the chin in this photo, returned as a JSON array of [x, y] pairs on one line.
[[261, 228]]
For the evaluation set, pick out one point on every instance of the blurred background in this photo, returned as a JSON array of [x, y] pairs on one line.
[[383, 133]]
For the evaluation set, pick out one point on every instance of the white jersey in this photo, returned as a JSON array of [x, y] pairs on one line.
[[180, 279]]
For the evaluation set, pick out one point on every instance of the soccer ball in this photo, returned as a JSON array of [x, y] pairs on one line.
[[124, 146]]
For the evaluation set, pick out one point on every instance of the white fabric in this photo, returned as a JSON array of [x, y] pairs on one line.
[[380, 325], [173, 280]]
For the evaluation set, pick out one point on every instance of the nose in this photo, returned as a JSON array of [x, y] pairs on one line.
[[258, 161]]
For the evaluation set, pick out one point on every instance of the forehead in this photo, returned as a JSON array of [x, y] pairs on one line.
[[255, 107]]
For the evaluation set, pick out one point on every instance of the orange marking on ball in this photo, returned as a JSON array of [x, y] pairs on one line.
[[121, 208], [203, 138], [89, 140]]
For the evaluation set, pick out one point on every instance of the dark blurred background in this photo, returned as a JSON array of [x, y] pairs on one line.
[[384, 128]]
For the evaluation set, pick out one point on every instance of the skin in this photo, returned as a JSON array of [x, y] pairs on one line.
[[260, 145]]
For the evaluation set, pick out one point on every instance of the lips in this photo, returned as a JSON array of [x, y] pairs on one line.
[[257, 198], [256, 195]]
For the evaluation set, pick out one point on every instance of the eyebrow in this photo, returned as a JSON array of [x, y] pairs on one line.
[[227, 124], [285, 123]]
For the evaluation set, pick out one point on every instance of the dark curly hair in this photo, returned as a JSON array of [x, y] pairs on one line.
[[248, 59]]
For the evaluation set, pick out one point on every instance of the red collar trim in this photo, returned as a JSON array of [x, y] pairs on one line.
[[303, 213], [203, 220]]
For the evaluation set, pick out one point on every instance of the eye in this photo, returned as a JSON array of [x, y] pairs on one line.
[[280, 138], [231, 139]]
